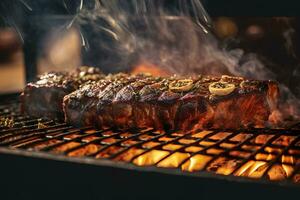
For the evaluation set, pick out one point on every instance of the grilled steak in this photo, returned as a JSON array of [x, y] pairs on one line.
[[44, 97], [172, 103]]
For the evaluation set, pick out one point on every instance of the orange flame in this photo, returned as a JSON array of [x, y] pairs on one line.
[[150, 158], [287, 168], [196, 163], [252, 169], [191, 155], [149, 68]]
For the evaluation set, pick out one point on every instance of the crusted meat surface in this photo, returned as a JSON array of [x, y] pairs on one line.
[[44, 97], [125, 101]]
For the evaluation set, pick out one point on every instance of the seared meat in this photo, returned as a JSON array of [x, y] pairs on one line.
[[93, 103], [172, 103], [44, 97]]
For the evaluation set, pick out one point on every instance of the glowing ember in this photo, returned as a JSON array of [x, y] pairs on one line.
[[128, 143], [273, 150], [109, 151], [214, 151], [220, 135], [258, 153], [279, 172], [150, 144], [174, 160], [150, 158], [253, 169], [223, 165], [90, 138], [85, 151], [207, 143], [172, 147], [186, 141], [284, 140], [149, 68], [227, 145], [201, 134], [262, 139], [195, 163], [129, 155], [200, 151], [287, 159], [195, 153], [241, 154], [45, 144], [240, 137], [65, 147], [126, 135], [193, 149], [263, 156]]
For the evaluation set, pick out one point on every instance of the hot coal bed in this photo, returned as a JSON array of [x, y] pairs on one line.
[[85, 162]]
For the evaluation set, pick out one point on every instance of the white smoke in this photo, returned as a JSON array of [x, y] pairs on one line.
[[177, 38]]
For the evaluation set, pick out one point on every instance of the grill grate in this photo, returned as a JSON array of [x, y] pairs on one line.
[[272, 155]]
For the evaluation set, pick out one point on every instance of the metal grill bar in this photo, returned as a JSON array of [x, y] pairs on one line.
[[280, 148], [277, 159]]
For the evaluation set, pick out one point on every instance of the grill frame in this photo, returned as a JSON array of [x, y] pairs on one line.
[[39, 166], [43, 174]]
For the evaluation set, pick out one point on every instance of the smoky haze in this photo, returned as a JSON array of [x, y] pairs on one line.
[[175, 35], [177, 38]]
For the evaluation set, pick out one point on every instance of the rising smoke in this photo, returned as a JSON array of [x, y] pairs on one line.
[[175, 35], [178, 39]]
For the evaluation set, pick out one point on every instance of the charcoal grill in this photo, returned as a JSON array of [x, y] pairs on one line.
[[145, 162]]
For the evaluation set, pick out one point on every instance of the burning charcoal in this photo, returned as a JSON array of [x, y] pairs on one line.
[[85, 151], [129, 154], [252, 169], [220, 136], [196, 163], [240, 137], [44, 144], [150, 158], [201, 134], [171, 147], [64, 147], [250, 147], [109, 151], [150, 144], [240, 154], [262, 138], [186, 141], [173, 160], [280, 172], [193, 149], [206, 143], [129, 142], [284, 140], [109, 141], [223, 165], [214, 151], [265, 157], [227, 145]]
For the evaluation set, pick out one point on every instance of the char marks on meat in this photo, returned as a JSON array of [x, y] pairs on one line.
[[44, 97], [125, 101]]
